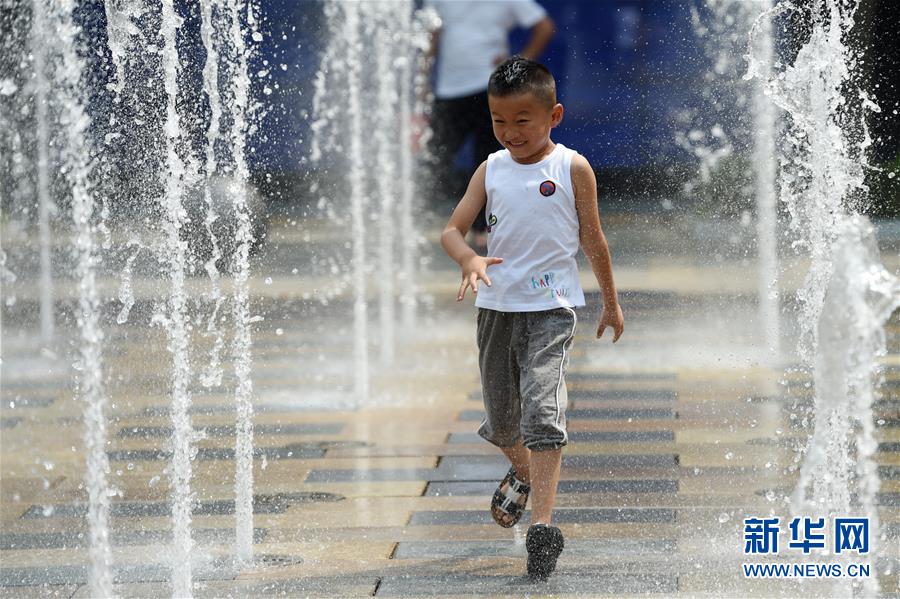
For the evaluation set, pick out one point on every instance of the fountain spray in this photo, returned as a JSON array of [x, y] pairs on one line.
[[75, 155], [176, 321], [240, 273], [847, 295], [41, 89]]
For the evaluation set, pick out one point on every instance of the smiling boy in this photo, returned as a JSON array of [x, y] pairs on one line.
[[541, 202]]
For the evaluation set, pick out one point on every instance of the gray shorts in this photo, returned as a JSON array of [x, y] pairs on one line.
[[523, 358]]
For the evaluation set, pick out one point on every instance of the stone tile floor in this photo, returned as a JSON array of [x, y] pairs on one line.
[[678, 432]]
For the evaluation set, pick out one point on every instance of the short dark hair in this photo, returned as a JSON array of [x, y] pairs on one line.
[[519, 75]]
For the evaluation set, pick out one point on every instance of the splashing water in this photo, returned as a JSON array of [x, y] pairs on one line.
[[75, 154], [370, 53], [847, 295], [41, 93], [380, 20], [126, 293], [240, 273], [180, 471], [213, 374], [726, 137]]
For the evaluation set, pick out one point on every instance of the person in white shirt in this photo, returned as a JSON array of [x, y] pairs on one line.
[[472, 40], [541, 198]]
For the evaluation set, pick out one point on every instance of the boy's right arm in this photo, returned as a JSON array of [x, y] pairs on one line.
[[453, 239]]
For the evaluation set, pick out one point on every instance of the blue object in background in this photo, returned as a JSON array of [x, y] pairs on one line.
[[625, 68]]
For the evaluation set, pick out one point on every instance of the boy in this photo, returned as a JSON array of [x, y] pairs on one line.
[[541, 201]]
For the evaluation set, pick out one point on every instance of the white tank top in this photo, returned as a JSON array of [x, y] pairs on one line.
[[533, 226]]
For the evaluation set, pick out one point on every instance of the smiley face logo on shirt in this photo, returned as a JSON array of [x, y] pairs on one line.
[[547, 188]]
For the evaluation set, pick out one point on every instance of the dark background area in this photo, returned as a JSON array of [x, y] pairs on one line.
[[626, 69]]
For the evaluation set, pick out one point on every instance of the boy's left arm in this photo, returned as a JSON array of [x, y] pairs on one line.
[[594, 245]]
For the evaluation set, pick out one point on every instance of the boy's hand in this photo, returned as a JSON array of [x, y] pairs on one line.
[[611, 317], [473, 269]]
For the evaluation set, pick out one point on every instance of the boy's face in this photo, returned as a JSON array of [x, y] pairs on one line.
[[522, 124]]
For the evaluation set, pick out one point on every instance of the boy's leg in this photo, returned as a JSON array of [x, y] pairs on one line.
[[497, 333], [544, 467], [545, 474], [520, 458], [544, 402]]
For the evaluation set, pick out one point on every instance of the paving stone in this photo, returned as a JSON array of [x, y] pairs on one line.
[[455, 489], [495, 466], [648, 460], [609, 395], [621, 414], [262, 504], [622, 394], [346, 585], [228, 430], [618, 486], [589, 437], [487, 488], [214, 409], [11, 577], [584, 583], [888, 499], [380, 474], [889, 472], [294, 451], [43, 591], [619, 376], [574, 547], [488, 468], [593, 414], [560, 515], [61, 540], [28, 402]]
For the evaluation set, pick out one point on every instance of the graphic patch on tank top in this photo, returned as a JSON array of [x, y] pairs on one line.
[[547, 282], [548, 188], [491, 222]]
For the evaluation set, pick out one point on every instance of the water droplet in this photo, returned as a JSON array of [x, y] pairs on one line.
[[723, 517], [268, 280], [729, 455], [279, 332]]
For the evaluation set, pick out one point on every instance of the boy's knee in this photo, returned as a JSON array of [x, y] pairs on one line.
[[542, 445], [545, 438], [506, 437]]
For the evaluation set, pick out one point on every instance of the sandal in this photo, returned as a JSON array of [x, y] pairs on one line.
[[544, 544], [511, 502]]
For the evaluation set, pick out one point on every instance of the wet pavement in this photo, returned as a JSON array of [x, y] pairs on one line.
[[678, 432]]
